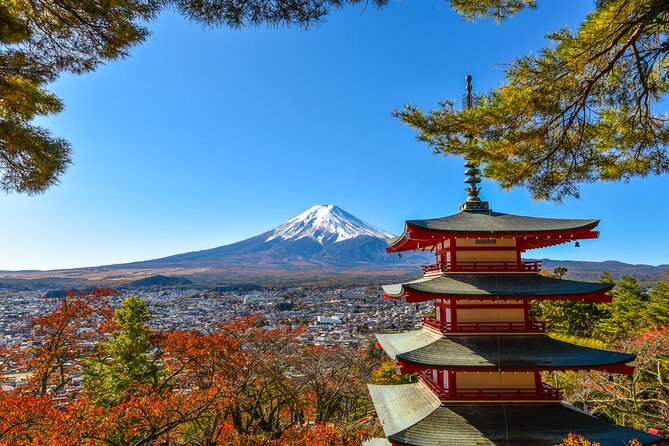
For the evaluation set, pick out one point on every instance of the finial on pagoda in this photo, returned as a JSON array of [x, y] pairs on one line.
[[473, 203], [468, 98]]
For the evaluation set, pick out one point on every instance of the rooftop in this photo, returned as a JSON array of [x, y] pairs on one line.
[[518, 286], [412, 415], [491, 352], [534, 231]]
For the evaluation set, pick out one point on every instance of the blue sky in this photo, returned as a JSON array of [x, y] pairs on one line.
[[204, 137]]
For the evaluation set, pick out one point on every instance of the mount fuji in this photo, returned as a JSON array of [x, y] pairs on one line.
[[324, 242], [324, 237]]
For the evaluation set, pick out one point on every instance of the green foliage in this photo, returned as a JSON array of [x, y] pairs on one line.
[[497, 9], [128, 363], [568, 317], [571, 317], [244, 13], [657, 309], [581, 110], [559, 272], [626, 315], [606, 277], [41, 39]]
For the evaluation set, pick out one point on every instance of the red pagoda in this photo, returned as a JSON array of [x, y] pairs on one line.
[[479, 359]]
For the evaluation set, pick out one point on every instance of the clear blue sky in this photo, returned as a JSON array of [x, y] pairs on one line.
[[205, 137]]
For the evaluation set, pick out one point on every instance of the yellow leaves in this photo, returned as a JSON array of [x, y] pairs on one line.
[[585, 342], [387, 374]]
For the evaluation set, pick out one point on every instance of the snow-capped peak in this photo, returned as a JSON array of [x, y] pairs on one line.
[[326, 223]]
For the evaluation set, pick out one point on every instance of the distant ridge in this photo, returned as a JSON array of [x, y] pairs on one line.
[[160, 281], [585, 270]]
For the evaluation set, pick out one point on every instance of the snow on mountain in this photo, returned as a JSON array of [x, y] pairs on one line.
[[321, 241], [325, 224]]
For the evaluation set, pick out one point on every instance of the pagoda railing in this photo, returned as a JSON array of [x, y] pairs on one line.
[[529, 266], [543, 393], [485, 327]]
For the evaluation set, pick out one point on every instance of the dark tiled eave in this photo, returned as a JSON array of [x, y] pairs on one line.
[[493, 224], [411, 416], [500, 223], [516, 286], [426, 349]]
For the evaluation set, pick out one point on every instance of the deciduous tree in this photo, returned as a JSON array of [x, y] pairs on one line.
[[63, 337]]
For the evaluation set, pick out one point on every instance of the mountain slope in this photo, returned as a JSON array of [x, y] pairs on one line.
[[324, 236]]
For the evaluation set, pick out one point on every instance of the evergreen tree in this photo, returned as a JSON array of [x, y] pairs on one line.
[[569, 317], [41, 39], [626, 314], [580, 110], [128, 363], [657, 310]]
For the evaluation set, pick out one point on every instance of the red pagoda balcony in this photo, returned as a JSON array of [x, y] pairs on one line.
[[526, 266], [543, 393], [484, 327]]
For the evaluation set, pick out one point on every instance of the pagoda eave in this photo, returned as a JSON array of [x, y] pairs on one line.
[[429, 350], [497, 286], [407, 368], [411, 415], [420, 238], [410, 296]]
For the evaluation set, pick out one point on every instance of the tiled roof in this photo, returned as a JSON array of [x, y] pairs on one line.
[[496, 285], [487, 424], [491, 352]]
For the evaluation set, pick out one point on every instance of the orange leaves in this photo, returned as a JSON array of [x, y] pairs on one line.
[[241, 385], [36, 420], [577, 440], [64, 336], [318, 435]]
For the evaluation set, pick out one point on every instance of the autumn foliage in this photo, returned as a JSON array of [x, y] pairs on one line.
[[577, 440], [238, 385]]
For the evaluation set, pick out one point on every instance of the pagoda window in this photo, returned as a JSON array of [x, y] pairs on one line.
[[498, 314], [492, 311], [487, 256], [495, 380]]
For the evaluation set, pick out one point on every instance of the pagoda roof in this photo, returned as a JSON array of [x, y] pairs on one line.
[[517, 286], [411, 415], [500, 223], [493, 224], [425, 348]]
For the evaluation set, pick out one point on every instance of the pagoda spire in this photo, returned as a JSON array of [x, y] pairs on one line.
[[473, 203]]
